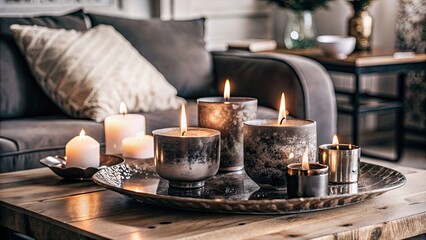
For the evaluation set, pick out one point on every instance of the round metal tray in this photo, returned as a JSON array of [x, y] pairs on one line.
[[237, 193]]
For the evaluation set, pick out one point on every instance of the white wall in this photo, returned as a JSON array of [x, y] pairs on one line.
[[125, 8]]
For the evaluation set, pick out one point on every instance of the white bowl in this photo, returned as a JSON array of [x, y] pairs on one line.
[[336, 46]]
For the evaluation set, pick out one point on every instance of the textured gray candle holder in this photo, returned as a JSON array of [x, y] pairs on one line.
[[189, 160], [228, 117], [269, 148], [343, 162]]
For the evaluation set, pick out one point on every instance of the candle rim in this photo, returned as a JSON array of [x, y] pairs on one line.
[[221, 100], [162, 131], [258, 122], [342, 147], [318, 169], [127, 116]]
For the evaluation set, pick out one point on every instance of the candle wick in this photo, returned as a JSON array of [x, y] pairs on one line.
[[282, 120], [226, 99], [183, 133]]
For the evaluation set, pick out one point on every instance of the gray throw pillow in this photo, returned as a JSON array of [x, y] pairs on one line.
[[88, 73], [20, 96], [175, 48]]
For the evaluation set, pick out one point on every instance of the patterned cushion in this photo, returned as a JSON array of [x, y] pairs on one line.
[[20, 95], [88, 73]]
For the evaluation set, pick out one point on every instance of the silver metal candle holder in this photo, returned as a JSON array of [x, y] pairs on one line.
[[343, 161], [307, 183], [186, 161]]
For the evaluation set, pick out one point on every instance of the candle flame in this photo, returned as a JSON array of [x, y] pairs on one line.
[[336, 141], [227, 90], [82, 134], [282, 113], [350, 146], [123, 108], [305, 160], [183, 124]]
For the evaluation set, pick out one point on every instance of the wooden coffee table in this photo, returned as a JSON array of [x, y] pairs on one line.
[[39, 204]]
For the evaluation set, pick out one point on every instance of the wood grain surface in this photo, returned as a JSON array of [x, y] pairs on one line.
[[44, 206]]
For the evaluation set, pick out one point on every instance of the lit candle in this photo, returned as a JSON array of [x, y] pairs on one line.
[[82, 151], [186, 156], [307, 179], [271, 144], [342, 159], [120, 126], [227, 114], [139, 146]]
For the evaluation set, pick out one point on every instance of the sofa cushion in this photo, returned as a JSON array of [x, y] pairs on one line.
[[20, 95], [175, 48], [42, 135], [88, 73]]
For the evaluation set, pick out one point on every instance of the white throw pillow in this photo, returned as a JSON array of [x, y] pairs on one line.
[[88, 73]]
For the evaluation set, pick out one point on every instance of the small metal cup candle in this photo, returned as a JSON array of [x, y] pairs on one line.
[[307, 179], [343, 161], [228, 115], [186, 156], [271, 144]]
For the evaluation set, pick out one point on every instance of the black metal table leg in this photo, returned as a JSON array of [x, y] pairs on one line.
[[399, 135], [400, 115], [356, 113]]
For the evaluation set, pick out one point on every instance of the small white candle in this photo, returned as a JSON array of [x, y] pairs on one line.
[[82, 151], [120, 126], [139, 146]]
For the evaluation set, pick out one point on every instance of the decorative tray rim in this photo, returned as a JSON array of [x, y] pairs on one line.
[[183, 199]]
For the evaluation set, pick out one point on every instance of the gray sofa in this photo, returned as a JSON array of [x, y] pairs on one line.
[[32, 126]]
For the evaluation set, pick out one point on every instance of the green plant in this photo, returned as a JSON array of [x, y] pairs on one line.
[[360, 4], [301, 5]]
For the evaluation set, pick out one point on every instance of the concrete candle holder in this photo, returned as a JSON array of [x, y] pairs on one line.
[[269, 147]]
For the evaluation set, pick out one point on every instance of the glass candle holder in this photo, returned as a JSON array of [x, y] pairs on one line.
[[228, 117]]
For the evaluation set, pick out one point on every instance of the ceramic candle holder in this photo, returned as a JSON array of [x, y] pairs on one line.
[[228, 117], [269, 148], [186, 161], [307, 183], [343, 161]]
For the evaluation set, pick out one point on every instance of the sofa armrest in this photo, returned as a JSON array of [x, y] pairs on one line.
[[307, 85]]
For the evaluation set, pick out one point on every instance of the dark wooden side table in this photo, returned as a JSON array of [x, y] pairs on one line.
[[362, 63]]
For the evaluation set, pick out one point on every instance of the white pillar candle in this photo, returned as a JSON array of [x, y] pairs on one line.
[[118, 127], [138, 147], [82, 151]]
